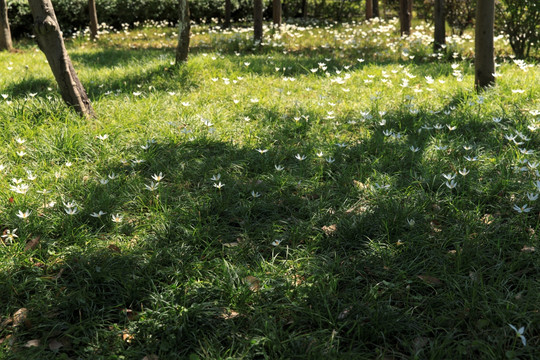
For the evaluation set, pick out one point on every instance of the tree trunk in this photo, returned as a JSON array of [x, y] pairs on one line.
[[257, 21], [184, 27], [484, 61], [276, 12], [93, 19], [5, 33], [228, 10], [440, 34], [376, 8], [369, 9], [405, 15], [50, 41], [304, 8]]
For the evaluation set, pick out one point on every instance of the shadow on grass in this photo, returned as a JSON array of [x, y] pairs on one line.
[[192, 270]]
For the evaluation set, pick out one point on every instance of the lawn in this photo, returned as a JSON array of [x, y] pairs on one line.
[[339, 193]]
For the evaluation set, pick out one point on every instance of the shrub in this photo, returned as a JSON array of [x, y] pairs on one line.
[[520, 20]]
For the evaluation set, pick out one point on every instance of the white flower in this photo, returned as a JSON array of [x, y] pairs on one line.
[[531, 196], [255, 194], [449, 176], [9, 235], [276, 242], [103, 181], [519, 334], [464, 171], [70, 205], [102, 137], [158, 177], [414, 149], [216, 177], [112, 176], [411, 222], [525, 208], [23, 215], [330, 160], [452, 184], [152, 187], [117, 218], [219, 185], [279, 167], [262, 151], [71, 210], [300, 157], [98, 214], [537, 184]]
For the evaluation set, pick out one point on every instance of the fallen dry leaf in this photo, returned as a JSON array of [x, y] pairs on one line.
[[229, 314], [253, 283], [528, 248], [21, 317], [55, 345], [32, 343], [114, 248], [150, 357], [32, 244], [430, 280], [126, 336], [329, 230]]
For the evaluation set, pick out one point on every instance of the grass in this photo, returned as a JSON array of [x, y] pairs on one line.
[[328, 236]]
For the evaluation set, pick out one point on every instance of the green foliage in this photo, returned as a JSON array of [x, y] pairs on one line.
[[460, 14], [520, 20]]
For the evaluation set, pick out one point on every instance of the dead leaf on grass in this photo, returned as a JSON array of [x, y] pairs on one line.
[[253, 283], [55, 345], [32, 244], [21, 318], [528, 248], [32, 343], [430, 280], [150, 357], [229, 314], [114, 248], [126, 336], [330, 230]]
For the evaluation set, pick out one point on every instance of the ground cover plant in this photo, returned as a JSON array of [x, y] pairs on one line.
[[339, 192]]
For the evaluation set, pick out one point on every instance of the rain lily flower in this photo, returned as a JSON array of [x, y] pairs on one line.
[[279, 167], [98, 214], [523, 209], [24, 215], [152, 187], [219, 185], [519, 333], [300, 157], [531, 196], [158, 177], [117, 218], [9, 235]]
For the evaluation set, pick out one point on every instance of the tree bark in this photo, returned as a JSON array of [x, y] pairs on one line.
[[369, 9], [484, 61], [184, 28], [50, 41], [440, 34], [304, 8], [93, 19], [257, 21], [5, 33], [376, 8], [405, 15], [228, 10], [276, 12]]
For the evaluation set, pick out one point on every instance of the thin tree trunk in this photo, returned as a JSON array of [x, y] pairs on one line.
[[257, 21], [369, 9], [304, 8], [50, 41], [440, 34], [376, 8], [405, 15], [184, 27], [228, 10], [5, 33], [276, 12], [484, 61], [93, 19]]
